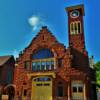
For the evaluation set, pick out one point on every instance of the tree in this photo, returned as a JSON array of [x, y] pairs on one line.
[[97, 68]]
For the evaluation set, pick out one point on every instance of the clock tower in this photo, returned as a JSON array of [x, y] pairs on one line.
[[76, 27]]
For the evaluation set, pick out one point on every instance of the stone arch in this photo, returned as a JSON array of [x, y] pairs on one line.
[[45, 47], [10, 91]]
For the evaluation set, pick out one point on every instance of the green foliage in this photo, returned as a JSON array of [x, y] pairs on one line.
[[97, 68]]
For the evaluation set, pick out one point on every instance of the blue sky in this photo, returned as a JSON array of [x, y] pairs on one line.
[[16, 29]]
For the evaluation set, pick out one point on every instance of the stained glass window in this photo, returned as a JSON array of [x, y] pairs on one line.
[[34, 66], [40, 79], [48, 65], [38, 65], [43, 54], [43, 60], [43, 64]]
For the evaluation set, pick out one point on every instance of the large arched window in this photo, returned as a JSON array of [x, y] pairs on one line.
[[43, 60], [43, 54]]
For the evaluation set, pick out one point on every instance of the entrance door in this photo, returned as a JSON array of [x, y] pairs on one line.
[[42, 88]]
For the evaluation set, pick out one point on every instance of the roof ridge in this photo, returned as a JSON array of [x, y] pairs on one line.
[[4, 59], [6, 55]]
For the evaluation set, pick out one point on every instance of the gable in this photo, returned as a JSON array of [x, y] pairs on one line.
[[43, 40], [44, 37]]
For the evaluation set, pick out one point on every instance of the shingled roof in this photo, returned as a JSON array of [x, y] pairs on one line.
[[4, 59]]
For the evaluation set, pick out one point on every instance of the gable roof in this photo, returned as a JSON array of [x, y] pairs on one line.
[[81, 6], [43, 39], [43, 32], [4, 59]]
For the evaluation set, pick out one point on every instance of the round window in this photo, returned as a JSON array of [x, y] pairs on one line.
[[74, 14]]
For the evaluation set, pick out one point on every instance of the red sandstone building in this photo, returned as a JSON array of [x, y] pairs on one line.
[[47, 70]]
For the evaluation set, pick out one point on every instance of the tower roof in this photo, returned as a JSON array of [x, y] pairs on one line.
[[75, 8]]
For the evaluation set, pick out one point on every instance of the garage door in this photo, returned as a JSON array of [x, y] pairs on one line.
[[42, 88]]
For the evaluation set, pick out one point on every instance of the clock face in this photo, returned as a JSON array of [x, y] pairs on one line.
[[74, 14]]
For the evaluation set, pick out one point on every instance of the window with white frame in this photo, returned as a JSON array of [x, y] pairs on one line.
[[77, 90], [43, 64]]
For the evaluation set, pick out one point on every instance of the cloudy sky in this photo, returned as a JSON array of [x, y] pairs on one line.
[[20, 20]]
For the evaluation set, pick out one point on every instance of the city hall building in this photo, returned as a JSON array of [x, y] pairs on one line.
[[47, 70]]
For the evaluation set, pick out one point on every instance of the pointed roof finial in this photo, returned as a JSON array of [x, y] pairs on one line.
[[44, 27]]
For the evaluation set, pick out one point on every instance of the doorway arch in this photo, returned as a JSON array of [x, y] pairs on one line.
[[10, 91]]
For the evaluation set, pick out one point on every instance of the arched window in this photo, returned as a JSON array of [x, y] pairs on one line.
[[75, 27], [43, 60], [43, 54]]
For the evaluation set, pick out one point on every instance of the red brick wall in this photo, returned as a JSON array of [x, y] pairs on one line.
[[64, 73]]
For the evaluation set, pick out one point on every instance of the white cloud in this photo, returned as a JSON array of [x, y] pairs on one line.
[[15, 53], [34, 21]]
